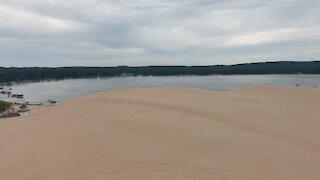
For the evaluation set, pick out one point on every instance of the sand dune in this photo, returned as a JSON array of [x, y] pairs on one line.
[[168, 133]]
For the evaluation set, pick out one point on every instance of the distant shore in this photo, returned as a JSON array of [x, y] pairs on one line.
[[15, 74], [168, 133]]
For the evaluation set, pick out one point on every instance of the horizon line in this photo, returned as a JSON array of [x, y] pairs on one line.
[[73, 66]]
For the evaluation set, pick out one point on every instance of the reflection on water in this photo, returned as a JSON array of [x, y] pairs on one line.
[[64, 89]]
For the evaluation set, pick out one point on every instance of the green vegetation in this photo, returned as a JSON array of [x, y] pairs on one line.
[[4, 106], [38, 74]]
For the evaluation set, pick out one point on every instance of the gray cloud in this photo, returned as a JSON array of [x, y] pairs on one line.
[[160, 32]]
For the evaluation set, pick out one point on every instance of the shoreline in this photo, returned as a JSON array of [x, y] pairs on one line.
[[31, 109], [48, 104], [78, 87]]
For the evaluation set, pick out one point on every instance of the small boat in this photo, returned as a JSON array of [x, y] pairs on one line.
[[51, 101], [20, 96]]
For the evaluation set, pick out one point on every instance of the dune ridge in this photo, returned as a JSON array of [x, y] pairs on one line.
[[168, 133]]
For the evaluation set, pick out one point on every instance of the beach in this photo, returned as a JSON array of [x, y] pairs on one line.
[[256, 133], [34, 108]]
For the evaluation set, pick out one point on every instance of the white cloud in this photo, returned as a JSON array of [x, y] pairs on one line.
[[273, 36], [26, 22], [123, 50], [261, 37]]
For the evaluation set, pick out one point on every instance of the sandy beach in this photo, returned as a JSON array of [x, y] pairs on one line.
[[32, 107], [256, 133]]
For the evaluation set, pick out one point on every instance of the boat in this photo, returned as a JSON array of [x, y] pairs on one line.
[[52, 101], [20, 96]]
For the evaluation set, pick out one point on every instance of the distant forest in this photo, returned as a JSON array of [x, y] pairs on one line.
[[14, 74]]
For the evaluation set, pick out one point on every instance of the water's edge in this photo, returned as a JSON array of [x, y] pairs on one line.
[[41, 92]]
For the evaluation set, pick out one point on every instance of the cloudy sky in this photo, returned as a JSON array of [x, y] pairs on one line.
[[157, 32]]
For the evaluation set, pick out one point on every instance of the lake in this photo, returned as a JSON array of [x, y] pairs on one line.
[[40, 92]]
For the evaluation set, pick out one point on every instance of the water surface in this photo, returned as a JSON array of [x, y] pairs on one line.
[[64, 89]]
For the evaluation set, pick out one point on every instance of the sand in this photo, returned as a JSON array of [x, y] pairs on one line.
[[168, 133], [33, 108]]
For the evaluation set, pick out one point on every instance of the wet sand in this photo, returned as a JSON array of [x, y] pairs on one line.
[[168, 133]]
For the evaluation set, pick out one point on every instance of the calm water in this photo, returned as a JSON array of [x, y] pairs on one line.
[[64, 89]]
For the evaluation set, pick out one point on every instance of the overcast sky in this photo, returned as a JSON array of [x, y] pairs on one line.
[[157, 32]]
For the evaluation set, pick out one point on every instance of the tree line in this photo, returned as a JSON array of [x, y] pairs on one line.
[[14, 74]]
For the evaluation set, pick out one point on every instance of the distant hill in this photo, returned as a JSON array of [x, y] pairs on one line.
[[44, 73]]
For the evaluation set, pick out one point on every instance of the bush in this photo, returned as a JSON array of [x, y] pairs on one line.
[[4, 106]]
